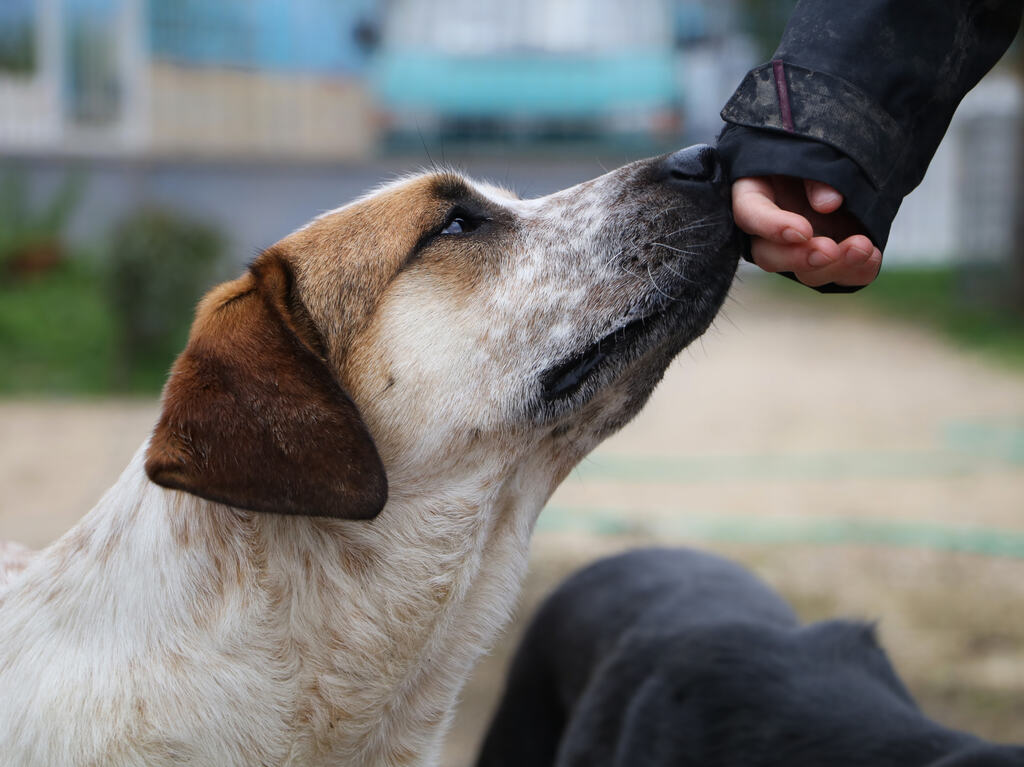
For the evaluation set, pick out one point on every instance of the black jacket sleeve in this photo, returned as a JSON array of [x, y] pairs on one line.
[[859, 95]]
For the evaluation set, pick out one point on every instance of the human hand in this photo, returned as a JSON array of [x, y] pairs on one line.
[[796, 225]]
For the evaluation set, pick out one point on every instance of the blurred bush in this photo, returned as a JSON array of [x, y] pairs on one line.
[[32, 236], [159, 265], [94, 323], [57, 333]]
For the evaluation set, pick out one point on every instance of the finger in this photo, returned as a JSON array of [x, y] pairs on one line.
[[755, 212], [822, 197], [847, 268], [810, 256], [817, 277], [863, 273], [844, 273], [856, 250]]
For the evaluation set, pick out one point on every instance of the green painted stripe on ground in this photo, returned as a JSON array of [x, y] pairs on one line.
[[927, 535], [1004, 442], [778, 467], [968, 448]]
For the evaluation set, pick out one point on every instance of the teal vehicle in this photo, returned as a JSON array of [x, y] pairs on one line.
[[487, 67]]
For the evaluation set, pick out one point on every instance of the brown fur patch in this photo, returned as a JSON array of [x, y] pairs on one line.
[[344, 260], [252, 416]]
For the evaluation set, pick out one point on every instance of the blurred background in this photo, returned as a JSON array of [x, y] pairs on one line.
[[865, 453]]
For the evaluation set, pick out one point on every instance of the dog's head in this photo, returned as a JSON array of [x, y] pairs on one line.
[[440, 327]]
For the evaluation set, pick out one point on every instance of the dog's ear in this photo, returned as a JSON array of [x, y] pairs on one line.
[[252, 415]]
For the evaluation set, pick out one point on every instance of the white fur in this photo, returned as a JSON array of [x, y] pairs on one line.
[[166, 630]]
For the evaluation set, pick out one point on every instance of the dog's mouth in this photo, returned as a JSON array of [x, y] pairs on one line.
[[566, 378], [667, 323], [690, 267]]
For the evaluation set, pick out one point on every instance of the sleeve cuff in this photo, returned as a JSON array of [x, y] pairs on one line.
[[756, 152], [750, 152], [794, 100]]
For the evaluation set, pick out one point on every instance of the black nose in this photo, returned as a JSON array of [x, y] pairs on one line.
[[695, 163]]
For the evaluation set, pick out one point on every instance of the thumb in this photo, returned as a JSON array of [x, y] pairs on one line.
[[756, 213], [822, 197]]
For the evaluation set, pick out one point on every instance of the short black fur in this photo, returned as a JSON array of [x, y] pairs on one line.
[[673, 657]]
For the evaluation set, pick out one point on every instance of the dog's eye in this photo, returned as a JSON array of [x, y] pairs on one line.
[[461, 222], [456, 226]]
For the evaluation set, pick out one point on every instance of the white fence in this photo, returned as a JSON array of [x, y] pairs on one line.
[[967, 206]]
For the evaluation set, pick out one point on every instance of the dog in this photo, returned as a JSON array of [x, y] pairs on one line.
[[661, 657], [330, 520]]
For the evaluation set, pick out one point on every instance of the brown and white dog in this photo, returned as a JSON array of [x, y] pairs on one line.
[[243, 595]]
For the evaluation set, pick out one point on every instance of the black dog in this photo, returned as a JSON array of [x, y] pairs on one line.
[[668, 657]]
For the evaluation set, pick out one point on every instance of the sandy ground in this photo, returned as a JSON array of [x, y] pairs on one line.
[[865, 468]]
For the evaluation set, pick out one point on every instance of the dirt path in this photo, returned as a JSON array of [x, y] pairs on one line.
[[865, 468]]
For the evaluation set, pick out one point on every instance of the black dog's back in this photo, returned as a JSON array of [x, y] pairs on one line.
[[585, 618], [677, 657]]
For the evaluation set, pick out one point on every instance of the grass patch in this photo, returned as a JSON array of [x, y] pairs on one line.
[[59, 335], [56, 334], [961, 307], [88, 325]]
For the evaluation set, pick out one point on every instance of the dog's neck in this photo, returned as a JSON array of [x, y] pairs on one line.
[[312, 640]]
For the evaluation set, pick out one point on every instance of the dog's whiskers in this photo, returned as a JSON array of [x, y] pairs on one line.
[[614, 256], [668, 210], [654, 284], [694, 227], [682, 251], [682, 277]]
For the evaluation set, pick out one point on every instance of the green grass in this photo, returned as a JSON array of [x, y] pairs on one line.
[[56, 334], [59, 336], [961, 307]]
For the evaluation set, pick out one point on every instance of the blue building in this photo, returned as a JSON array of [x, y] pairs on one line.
[[186, 77]]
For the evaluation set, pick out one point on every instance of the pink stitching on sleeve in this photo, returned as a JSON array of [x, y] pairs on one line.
[[782, 89]]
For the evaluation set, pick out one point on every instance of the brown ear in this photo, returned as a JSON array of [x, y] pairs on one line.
[[253, 417]]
